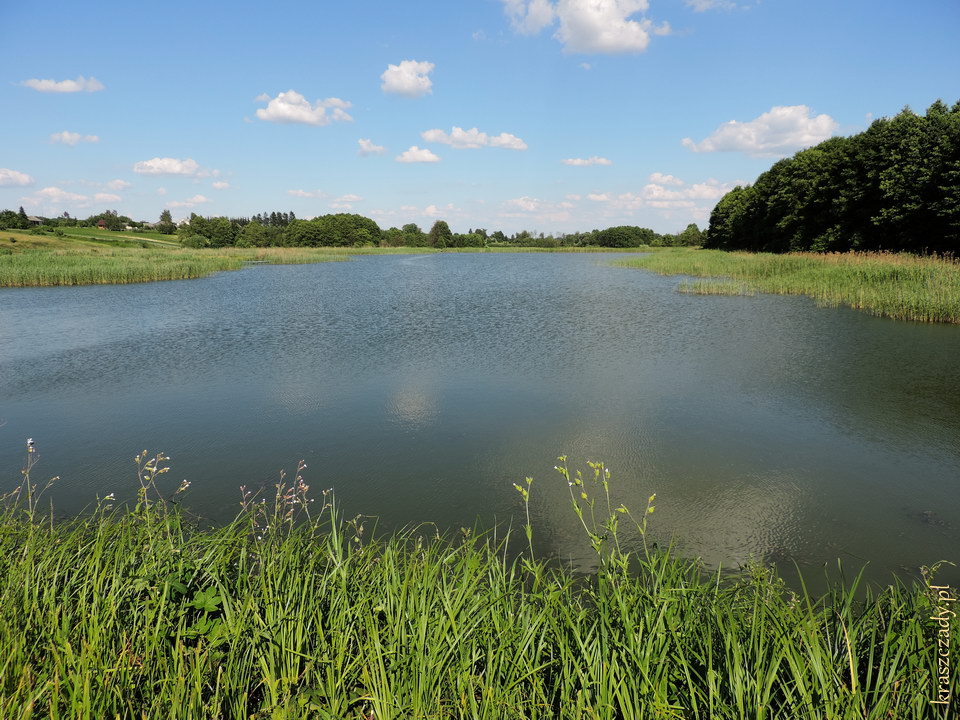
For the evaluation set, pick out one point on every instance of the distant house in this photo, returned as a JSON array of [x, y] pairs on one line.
[[149, 226], [34, 220], [102, 224]]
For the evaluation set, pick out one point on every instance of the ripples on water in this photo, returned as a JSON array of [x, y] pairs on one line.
[[421, 387]]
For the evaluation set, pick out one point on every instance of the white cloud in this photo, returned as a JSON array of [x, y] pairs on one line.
[[602, 26], [161, 191], [292, 107], [582, 162], [780, 131], [527, 204], [572, 196], [368, 147], [13, 178], [220, 185], [460, 139], [345, 202], [117, 184], [55, 197], [81, 84], [598, 197], [167, 166], [417, 155], [662, 179], [307, 193], [529, 16], [479, 35], [586, 65], [409, 78], [72, 138], [588, 26], [192, 202], [445, 211]]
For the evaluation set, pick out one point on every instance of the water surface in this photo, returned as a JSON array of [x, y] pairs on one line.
[[422, 387]]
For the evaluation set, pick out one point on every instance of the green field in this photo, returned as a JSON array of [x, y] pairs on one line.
[[901, 286], [48, 260], [294, 612]]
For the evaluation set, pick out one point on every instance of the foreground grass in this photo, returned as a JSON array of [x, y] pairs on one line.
[[141, 613], [34, 262], [901, 286]]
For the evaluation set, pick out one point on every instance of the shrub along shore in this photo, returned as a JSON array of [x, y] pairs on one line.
[[292, 612], [900, 286]]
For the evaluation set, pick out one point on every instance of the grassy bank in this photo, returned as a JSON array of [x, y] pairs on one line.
[[901, 286], [42, 261], [290, 612]]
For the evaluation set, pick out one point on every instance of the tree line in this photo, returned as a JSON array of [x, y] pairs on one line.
[[351, 230], [895, 186]]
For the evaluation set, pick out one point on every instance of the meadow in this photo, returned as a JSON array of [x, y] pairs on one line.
[[895, 285], [47, 260], [295, 611]]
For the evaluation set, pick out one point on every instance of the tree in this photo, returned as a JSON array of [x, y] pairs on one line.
[[440, 235], [166, 224]]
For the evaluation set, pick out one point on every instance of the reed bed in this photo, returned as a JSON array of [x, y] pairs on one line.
[[97, 266], [900, 286], [292, 611]]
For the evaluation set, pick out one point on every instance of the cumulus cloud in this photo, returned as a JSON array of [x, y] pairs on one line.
[[220, 185], [161, 191], [72, 138], [368, 147], [13, 178], [307, 193], [529, 16], [598, 197], [435, 211], [81, 84], [662, 179], [292, 107], [167, 166], [460, 139], [417, 155], [582, 162], [535, 209], [191, 202], [588, 26], [780, 131], [345, 202], [55, 197], [410, 78], [117, 184]]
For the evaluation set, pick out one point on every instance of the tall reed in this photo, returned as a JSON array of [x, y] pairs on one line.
[[294, 611], [901, 286]]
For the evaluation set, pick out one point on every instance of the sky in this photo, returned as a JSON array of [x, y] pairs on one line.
[[540, 115]]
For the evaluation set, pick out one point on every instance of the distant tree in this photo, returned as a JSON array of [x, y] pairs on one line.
[[166, 224], [440, 235], [413, 236]]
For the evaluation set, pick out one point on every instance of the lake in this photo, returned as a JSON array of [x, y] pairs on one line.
[[421, 388]]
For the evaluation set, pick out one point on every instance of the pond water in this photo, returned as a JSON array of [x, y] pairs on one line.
[[422, 387]]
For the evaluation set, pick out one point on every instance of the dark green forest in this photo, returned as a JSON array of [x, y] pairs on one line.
[[894, 187]]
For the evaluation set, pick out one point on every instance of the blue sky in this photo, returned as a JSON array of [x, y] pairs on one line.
[[587, 113]]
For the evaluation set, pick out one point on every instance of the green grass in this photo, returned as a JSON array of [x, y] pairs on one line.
[[292, 612], [901, 286], [37, 261]]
